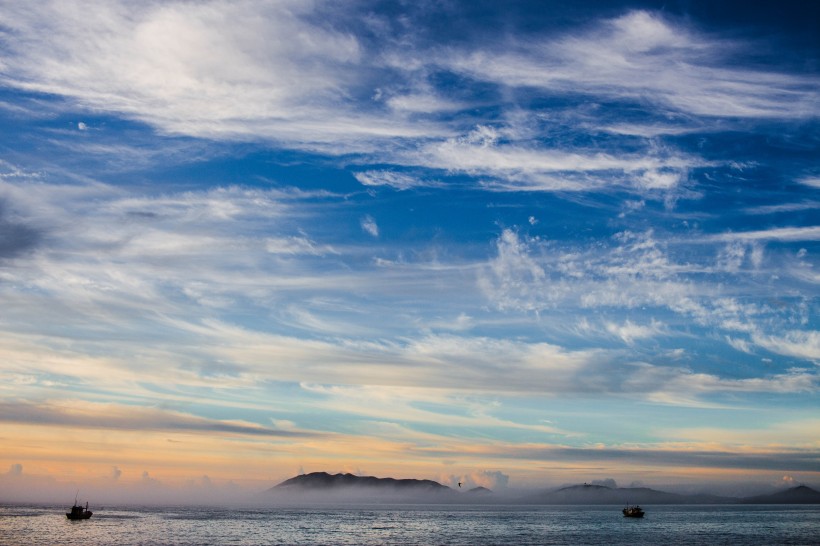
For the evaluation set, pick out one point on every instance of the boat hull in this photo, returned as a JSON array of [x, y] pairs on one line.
[[634, 512], [79, 512], [73, 517]]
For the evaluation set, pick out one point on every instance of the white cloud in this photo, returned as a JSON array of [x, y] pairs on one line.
[[741, 345], [461, 323], [423, 103], [148, 481], [640, 272], [514, 279], [397, 180], [797, 343], [811, 181], [607, 482], [631, 207], [785, 234], [521, 166], [647, 131], [735, 254], [783, 207], [493, 480], [297, 245], [629, 332], [217, 70], [369, 226], [659, 180]]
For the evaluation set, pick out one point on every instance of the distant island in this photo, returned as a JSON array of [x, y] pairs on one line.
[[344, 488], [601, 494], [795, 495], [322, 486], [324, 481]]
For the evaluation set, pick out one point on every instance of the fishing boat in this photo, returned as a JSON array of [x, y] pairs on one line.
[[78, 512], [633, 512]]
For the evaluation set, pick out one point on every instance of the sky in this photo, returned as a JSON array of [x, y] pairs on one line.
[[513, 244]]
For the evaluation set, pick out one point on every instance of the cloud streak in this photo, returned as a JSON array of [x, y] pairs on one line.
[[117, 417], [640, 56]]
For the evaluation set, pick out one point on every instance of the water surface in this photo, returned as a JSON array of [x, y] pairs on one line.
[[413, 525]]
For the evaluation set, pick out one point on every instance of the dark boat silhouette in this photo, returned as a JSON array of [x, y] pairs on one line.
[[78, 512], [633, 512]]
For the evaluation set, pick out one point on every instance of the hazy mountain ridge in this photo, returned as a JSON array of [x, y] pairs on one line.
[[343, 487], [794, 495], [602, 494]]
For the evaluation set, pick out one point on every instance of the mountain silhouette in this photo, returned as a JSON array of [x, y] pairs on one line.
[[321, 487], [602, 494], [324, 481], [795, 495]]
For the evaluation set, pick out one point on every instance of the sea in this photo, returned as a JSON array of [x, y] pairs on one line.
[[22, 525]]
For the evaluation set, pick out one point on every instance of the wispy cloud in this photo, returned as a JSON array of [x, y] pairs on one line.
[[397, 180], [643, 57], [146, 62], [131, 264], [521, 165], [788, 234], [630, 332], [637, 271], [297, 244], [798, 343]]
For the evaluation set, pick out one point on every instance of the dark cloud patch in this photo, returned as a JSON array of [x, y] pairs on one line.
[[141, 214], [795, 460], [16, 238], [131, 418]]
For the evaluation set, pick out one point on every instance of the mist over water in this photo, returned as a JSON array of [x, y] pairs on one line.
[[205, 492]]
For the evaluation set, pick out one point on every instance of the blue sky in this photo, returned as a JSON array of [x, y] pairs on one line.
[[514, 243]]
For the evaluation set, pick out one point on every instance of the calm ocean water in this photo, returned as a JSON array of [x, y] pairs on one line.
[[436, 525]]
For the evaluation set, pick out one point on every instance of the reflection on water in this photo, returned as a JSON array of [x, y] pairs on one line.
[[446, 525]]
